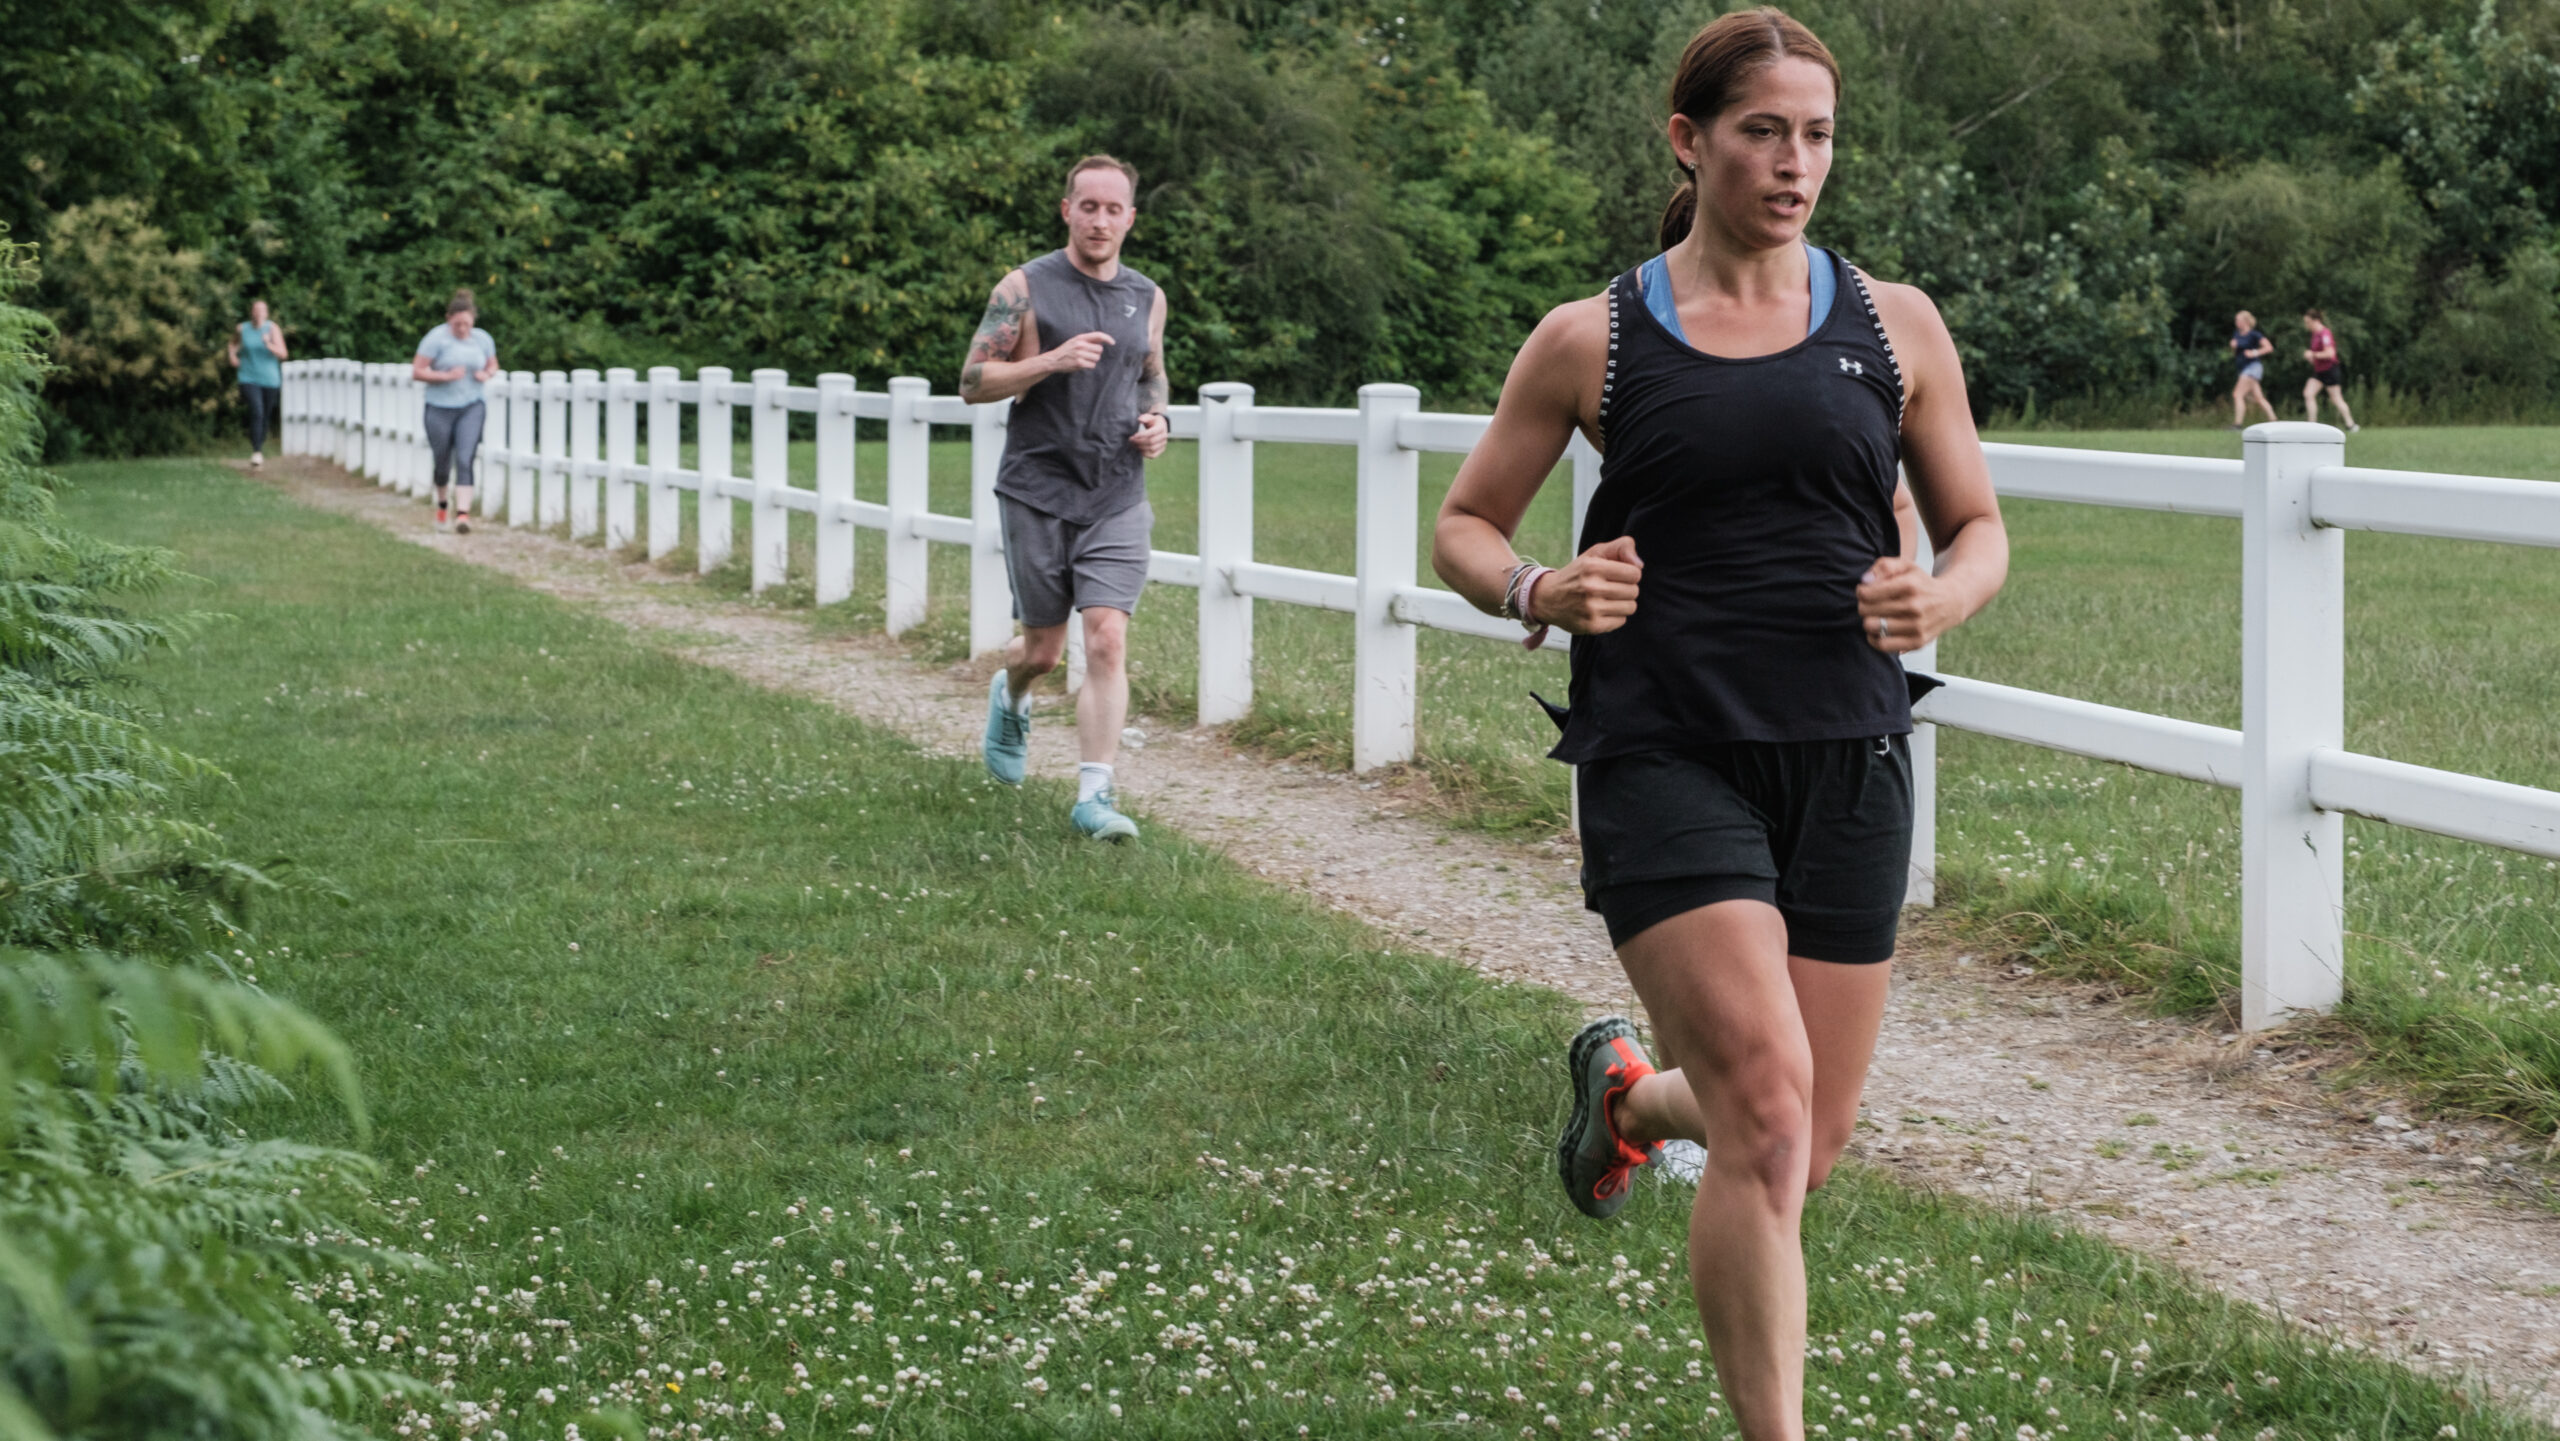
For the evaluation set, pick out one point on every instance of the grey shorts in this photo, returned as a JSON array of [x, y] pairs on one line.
[[1059, 567], [2254, 370]]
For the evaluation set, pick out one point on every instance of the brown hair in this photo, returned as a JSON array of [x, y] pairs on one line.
[[1732, 49], [461, 302], [2313, 313], [1104, 162]]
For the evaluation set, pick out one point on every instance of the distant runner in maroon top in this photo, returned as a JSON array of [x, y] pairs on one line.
[[2328, 372]]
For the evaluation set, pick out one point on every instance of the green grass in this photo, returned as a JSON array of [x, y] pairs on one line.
[[2454, 960], [715, 1039]]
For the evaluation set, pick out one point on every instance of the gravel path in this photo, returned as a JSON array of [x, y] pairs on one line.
[[2423, 1240]]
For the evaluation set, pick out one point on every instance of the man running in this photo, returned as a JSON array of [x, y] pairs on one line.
[[454, 360], [2249, 350], [258, 353], [1088, 413], [2328, 372]]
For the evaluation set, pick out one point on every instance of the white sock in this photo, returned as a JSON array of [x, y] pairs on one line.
[[1092, 779], [1021, 703]]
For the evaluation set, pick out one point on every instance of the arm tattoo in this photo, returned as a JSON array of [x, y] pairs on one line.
[[1155, 389], [998, 332]]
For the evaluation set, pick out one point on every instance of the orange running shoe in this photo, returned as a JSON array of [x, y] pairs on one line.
[[1596, 1163]]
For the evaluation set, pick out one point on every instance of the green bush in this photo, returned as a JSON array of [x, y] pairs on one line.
[[150, 1247]]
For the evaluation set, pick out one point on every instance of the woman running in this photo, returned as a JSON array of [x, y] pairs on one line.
[[2249, 349], [257, 351], [2327, 371], [454, 361], [1739, 714]]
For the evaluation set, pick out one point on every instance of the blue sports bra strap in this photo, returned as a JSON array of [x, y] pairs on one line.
[[1654, 276], [1826, 285]]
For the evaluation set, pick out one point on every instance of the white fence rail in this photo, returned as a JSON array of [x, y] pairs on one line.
[[564, 447]]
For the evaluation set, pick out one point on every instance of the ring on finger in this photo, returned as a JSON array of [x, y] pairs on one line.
[[1884, 627]]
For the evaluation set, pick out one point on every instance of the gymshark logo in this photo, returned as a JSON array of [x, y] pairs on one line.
[[1852, 367], [1127, 309]]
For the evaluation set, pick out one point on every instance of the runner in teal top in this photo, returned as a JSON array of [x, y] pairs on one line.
[[257, 351]]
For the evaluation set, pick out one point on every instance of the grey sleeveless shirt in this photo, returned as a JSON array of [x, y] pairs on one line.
[[1067, 451]]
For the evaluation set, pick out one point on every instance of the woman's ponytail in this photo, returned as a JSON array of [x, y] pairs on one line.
[[1720, 57], [1679, 214]]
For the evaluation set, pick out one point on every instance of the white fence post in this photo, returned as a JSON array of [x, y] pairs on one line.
[[286, 437], [769, 462], [910, 459], [834, 580], [990, 586], [386, 468], [2292, 703], [1226, 541], [369, 434], [417, 459], [714, 438], [666, 453], [582, 454], [1921, 886], [621, 455], [492, 475], [524, 463], [1389, 521], [1075, 651], [554, 506]]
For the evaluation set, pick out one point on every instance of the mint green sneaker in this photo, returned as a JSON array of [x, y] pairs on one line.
[[1595, 1162], [1008, 742], [1100, 818]]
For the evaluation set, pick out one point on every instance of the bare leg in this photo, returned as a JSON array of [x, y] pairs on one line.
[[1774, 1052], [2338, 398], [2239, 402], [1031, 655], [462, 499], [2311, 400], [1102, 704]]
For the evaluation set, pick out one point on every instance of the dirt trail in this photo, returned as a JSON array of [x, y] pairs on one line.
[[2424, 1241]]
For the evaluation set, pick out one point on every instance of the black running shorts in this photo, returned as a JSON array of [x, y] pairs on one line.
[[1819, 829]]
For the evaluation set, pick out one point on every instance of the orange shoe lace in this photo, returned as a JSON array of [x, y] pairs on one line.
[[1629, 1068]]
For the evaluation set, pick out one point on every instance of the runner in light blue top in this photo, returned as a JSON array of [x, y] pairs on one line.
[[453, 361], [257, 351]]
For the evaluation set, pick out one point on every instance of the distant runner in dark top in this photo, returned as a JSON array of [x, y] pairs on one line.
[[1740, 716], [257, 351], [1076, 340], [2249, 351], [2328, 372]]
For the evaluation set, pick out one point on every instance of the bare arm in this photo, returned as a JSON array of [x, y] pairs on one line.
[[1950, 481], [274, 338], [1005, 358], [1155, 388], [1553, 387], [421, 368], [231, 352]]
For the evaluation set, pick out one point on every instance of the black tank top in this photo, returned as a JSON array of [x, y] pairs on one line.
[[1757, 492]]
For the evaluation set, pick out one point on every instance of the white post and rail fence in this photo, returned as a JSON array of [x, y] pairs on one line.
[[566, 448]]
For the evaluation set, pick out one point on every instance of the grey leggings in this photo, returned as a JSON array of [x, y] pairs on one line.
[[453, 439]]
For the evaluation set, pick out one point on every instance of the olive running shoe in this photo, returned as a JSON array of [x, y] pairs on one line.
[[1100, 818], [1008, 742], [1596, 1163]]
